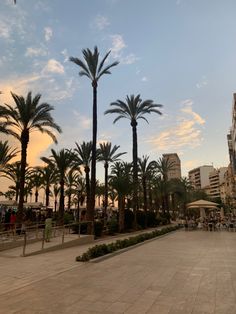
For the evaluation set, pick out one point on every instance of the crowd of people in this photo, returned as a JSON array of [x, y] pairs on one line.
[[211, 223]]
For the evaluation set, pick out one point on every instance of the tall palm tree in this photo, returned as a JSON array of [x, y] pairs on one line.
[[94, 70], [29, 115], [107, 154], [133, 109], [6, 154], [83, 156], [62, 161], [146, 170], [56, 192]]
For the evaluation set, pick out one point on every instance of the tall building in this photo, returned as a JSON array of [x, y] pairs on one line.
[[199, 177], [216, 178], [231, 138], [175, 171]]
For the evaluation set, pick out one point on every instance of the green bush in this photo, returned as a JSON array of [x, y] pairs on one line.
[[112, 226], [129, 219], [103, 249], [141, 218], [68, 218], [98, 228], [152, 219]]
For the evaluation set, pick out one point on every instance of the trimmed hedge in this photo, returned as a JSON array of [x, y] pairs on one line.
[[104, 249]]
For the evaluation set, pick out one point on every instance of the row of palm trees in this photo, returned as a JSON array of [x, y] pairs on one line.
[[29, 115]]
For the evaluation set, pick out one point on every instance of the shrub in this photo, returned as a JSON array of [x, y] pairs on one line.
[[98, 228], [141, 218], [112, 226], [151, 219], [68, 218], [103, 249], [129, 219]]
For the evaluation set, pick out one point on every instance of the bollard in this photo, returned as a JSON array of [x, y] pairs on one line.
[[63, 234], [43, 239]]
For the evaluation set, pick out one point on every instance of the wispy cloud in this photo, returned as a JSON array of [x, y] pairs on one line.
[[35, 52], [117, 50], [53, 66], [100, 22], [186, 133], [48, 33], [203, 82], [84, 121], [64, 52], [144, 79]]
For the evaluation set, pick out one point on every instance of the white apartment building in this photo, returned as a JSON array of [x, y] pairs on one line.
[[175, 172], [199, 177], [216, 179]]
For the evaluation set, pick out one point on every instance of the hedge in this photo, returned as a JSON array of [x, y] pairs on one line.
[[104, 249]]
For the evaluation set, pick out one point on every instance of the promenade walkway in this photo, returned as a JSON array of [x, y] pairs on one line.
[[183, 272]]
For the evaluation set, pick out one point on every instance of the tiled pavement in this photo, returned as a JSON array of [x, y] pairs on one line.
[[184, 272]]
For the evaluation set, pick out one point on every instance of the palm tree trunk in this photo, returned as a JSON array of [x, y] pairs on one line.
[[61, 202], [145, 199], [86, 170], [69, 200], [121, 206], [24, 144], [94, 148], [36, 196], [135, 170], [47, 196], [106, 188]]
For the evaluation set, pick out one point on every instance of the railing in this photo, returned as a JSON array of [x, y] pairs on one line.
[[16, 235], [59, 232]]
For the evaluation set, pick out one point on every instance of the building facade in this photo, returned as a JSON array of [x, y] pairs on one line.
[[199, 177], [175, 171], [217, 180]]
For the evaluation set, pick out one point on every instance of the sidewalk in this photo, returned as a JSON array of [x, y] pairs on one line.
[[181, 273], [17, 271]]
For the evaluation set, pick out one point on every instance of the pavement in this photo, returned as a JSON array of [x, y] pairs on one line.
[[183, 272]]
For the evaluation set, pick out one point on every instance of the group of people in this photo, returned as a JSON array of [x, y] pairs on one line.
[[8, 218], [211, 223]]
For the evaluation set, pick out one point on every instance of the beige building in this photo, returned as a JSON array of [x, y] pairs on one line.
[[199, 177], [175, 172], [217, 179]]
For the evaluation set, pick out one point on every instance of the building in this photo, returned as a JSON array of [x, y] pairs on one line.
[[175, 171], [216, 179], [231, 138], [199, 177]]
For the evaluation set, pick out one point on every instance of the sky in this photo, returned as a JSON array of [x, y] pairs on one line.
[[179, 53]]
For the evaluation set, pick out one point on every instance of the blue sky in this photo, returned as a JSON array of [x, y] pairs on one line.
[[180, 53]]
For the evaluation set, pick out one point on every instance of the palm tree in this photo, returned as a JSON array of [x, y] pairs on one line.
[[56, 192], [48, 178], [36, 181], [28, 116], [133, 109], [71, 180], [6, 154], [120, 181], [83, 156], [164, 165], [107, 154], [12, 172], [62, 161], [94, 70], [146, 170]]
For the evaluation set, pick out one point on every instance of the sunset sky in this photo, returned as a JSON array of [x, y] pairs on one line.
[[180, 53]]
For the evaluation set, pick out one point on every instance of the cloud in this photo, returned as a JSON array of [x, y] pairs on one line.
[[53, 66], [117, 50], [118, 45], [83, 121], [185, 134], [65, 54], [35, 52], [48, 33], [144, 79], [203, 82], [100, 22], [5, 30]]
